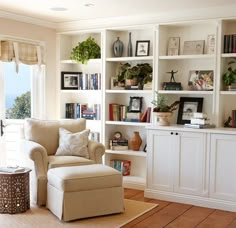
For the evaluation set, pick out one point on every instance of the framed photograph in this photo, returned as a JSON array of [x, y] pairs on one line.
[[187, 106], [195, 47], [135, 104], [70, 80], [115, 84], [211, 42], [142, 48], [173, 46], [201, 80]]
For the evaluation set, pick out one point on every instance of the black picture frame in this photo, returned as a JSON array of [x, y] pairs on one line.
[[135, 104], [187, 106], [142, 48], [69, 80]]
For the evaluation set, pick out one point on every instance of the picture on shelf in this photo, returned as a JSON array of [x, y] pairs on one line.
[[69, 80], [195, 47], [115, 84], [173, 46], [142, 48], [201, 80], [211, 42], [135, 104], [187, 106]]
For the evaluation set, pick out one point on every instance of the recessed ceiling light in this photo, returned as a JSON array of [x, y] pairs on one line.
[[58, 9], [88, 4]]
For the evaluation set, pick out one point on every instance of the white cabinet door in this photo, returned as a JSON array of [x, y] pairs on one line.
[[190, 163], [223, 167], [177, 162], [160, 160]]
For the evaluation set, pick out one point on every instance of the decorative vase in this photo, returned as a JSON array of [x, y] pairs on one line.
[[130, 51], [118, 48], [163, 118], [135, 141]]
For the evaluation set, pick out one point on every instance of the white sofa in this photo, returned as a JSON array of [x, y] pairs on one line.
[[38, 147]]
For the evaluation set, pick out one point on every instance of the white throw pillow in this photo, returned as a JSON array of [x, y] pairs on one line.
[[73, 143]]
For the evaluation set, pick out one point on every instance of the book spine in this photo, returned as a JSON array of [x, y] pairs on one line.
[[226, 43]]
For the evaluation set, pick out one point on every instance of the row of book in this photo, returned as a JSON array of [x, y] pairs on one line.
[[77, 110], [230, 43], [123, 166], [118, 112], [89, 81]]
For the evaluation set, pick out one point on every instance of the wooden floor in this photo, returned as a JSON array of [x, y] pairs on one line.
[[169, 214]]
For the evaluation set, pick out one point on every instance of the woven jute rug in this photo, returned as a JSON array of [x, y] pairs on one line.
[[38, 217]]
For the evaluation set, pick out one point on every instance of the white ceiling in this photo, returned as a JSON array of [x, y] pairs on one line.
[[102, 8]]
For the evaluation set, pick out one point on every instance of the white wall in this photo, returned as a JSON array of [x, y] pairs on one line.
[[34, 32]]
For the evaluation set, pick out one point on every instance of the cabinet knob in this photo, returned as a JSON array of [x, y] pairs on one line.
[[176, 133], [171, 133]]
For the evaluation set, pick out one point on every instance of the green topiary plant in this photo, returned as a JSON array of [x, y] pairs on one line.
[[161, 105], [86, 50]]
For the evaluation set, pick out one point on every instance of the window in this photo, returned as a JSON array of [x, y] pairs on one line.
[[17, 91]]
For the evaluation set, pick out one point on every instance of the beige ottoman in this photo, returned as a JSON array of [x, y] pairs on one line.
[[84, 191]]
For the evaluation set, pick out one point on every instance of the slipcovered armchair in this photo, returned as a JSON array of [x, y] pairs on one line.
[[39, 147]]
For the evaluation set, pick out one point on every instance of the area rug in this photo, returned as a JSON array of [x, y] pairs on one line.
[[41, 217]]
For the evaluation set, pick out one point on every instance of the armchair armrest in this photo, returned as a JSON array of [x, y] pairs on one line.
[[96, 151], [35, 152]]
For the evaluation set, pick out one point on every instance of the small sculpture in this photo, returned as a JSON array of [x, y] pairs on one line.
[[172, 73]]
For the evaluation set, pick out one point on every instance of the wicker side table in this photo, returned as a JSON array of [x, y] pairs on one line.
[[14, 192]]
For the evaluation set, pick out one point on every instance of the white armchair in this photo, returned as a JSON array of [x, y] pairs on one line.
[[38, 148]]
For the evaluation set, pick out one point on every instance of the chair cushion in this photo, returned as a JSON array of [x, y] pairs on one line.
[[83, 178], [73, 143], [46, 132], [62, 161]]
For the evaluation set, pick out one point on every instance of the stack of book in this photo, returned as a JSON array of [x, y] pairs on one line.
[[121, 165], [230, 43], [119, 144], [199, 120]]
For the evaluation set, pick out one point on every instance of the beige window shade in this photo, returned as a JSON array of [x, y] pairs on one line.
[[21, 52]]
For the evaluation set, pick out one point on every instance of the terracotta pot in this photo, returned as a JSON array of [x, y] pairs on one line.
[[131, 82], [163, 118], [135, 141]]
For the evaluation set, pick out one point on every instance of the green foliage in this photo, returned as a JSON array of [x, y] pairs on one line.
[[143, 72], [229, 76], [86, 50], [161, 105], [21, 108]]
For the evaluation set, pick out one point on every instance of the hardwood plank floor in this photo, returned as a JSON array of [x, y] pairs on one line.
[[177, 215]]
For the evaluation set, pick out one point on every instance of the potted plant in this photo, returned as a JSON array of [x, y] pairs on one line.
[[134, 75], [162, 110], [86, 50], [229, 77]]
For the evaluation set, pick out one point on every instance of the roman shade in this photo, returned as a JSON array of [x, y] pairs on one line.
[[21, 52]]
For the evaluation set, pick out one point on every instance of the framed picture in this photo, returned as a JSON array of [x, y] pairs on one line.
[[201, 80], [211, 42], [187, 106], [173, 46], [69, 80], [135, 104], [142, 47], [115, 84], [195, 47]]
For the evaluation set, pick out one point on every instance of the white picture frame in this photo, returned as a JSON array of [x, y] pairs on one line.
[[173, 46], [211, 42], [195, 47]]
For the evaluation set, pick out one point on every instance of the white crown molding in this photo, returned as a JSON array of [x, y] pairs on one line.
[[165, 17], [28, 20], [111, 22]]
